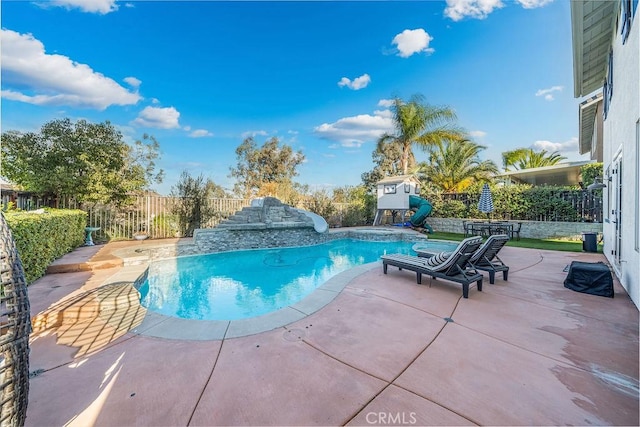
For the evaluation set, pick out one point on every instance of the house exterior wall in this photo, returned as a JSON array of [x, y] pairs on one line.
[[620, 133]]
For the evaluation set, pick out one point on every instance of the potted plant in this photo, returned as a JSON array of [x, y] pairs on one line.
[[140, 235]]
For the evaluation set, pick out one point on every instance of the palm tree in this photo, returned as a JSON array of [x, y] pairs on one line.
[[455, 165], [422, 124], [526, 158]]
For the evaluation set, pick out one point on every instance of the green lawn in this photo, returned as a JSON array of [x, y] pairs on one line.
[[548, 244]]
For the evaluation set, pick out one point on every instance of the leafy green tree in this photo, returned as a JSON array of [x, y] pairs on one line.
[[319, 202], [455, 165], [527, 158], [216, 191], [387, 158], [265, 168], [191, 206], [361, 205], [590, 172], [86, 161], [421, 124]]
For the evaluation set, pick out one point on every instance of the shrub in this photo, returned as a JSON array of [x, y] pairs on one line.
[[449, 209], [511, 202], [191, 208], [320, 203], [165, 225], [45, 236]]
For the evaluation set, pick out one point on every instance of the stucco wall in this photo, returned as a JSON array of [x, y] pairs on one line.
[[620, 142]]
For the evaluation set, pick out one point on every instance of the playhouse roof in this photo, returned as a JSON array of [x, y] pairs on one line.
[[398, 178]]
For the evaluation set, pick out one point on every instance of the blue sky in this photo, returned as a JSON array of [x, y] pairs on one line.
[[201, 76]]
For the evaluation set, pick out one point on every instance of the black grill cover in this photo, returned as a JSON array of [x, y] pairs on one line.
[[590, 278]]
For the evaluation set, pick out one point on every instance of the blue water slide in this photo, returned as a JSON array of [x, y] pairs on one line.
[[423, 210]]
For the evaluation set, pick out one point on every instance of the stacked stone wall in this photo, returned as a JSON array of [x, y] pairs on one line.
[[530, 229]]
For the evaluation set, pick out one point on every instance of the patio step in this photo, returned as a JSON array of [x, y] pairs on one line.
[[84, 258]]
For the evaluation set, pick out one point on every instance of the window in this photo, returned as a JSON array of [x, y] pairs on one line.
[[626, 13], [390, 189], [607, 89], [606, 210], [605, 100], [637, 195]]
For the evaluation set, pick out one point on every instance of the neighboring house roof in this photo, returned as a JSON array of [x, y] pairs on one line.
[[592, 25], [397, 179], [560, 174], [9, 186]]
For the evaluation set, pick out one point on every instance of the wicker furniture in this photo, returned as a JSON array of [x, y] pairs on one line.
[[15, 324]]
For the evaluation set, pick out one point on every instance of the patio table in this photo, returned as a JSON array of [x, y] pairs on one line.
[[476, 228]]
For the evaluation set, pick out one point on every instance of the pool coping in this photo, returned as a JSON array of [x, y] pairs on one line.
[[169, 327]]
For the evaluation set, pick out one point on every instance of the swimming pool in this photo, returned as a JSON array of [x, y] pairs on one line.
[[248, 283]]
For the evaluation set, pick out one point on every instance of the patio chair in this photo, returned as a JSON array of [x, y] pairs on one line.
[[453, 266], [515, 231], [486, 257]]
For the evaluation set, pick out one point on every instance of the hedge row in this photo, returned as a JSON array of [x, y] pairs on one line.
[[43, 237], [512, 202]]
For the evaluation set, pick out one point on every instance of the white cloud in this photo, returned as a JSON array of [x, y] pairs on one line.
[[355, 131], [357, 83], [479, 9], [548, 93], [132, 81], [409, 42], [32, 76], [156, 117], [254, 133], [200, 133], [477, 133], [387, 114], [532, 4], [567, 147], [92, 6], [386, 103]]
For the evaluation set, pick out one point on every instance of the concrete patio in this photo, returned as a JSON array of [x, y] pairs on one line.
[[383, 351]]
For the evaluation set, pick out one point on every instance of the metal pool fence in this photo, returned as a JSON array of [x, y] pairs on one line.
[[151, 215]]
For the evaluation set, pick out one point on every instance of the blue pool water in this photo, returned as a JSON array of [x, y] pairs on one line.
[[241, 284]]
